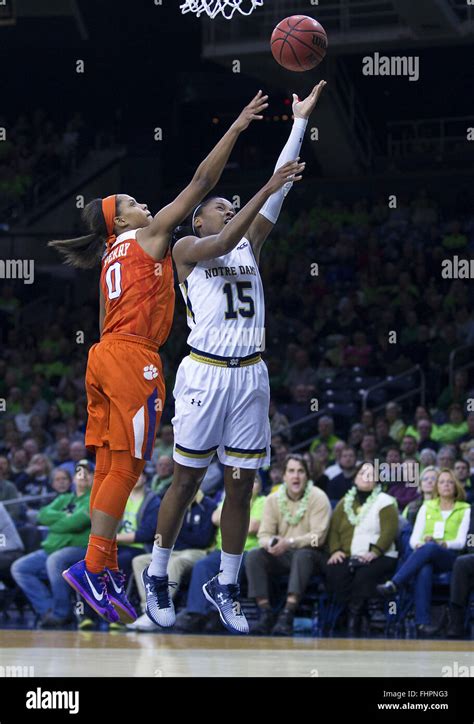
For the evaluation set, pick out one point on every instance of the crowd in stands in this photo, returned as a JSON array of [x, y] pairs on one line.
[[362, 544], [378, 272], [38, 146]]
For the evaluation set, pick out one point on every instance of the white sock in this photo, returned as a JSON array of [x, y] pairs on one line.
[[159, 561], [230, 566]]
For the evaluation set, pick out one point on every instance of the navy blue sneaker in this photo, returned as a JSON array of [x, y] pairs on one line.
[[93, 588], [159, 606], [225, 599], [118, 597]]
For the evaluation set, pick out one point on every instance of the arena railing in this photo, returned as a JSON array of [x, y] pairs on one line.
[[313, 417], [444, 134], [464, 11], [29, 499], [302, 421], [452, 361], [353, 111], [341, 17], [389, 380], [79, 170]]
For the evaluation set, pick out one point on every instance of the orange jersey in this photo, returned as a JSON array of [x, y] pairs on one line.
[[138, 291]]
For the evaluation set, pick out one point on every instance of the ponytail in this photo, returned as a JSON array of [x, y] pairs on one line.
[[85, 252]]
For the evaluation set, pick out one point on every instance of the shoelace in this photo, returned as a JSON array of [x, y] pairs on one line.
[[233, 593], [103, 582], [234, 589], [161, 590], [119, 577]]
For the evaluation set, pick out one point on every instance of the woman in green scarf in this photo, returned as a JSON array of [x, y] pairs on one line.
[[362, 537]]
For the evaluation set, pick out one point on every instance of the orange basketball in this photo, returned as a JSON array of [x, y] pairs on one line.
[[299, 43]]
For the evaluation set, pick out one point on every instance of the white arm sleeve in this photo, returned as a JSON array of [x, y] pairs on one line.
[[272, 207], [418, 528], [460, 541]]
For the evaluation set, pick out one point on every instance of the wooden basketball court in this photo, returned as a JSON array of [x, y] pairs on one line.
[[72, 653]]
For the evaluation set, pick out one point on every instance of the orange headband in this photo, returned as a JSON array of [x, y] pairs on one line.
[[109, 211]]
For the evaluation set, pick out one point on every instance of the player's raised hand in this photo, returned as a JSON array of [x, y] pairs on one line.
[[304, 108], [252, 112], [289, 172]]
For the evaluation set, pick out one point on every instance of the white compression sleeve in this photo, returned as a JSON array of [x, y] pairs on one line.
[[272, 207]]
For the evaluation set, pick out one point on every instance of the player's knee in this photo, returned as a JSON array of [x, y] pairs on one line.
[[239, 494], [124, 477], [186, 483]]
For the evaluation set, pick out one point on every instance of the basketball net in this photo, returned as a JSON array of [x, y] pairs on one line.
[[226, 7]]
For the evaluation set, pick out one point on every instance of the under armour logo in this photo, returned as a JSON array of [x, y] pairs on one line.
[[234, 362], [221, 598], [196, 402], [242, 246]]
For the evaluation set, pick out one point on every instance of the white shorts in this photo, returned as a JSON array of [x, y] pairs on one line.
[[221, 410]]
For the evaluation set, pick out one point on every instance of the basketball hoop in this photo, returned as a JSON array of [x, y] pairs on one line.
[[226, 7]]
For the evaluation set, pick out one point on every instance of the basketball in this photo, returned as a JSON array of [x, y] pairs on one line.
[[299, 43]]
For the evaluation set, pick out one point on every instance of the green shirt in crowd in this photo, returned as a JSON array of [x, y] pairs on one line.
[[130, 519], [68, 521], [449, 433], [330, 442], [256, 512]]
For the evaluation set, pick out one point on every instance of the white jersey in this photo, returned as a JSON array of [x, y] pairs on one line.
[[225, 304]]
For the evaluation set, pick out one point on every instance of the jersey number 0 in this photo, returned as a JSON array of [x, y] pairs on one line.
[[113, 279]]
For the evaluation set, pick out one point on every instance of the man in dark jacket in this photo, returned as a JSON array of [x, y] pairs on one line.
[[11, 545], [340, 484], [9, 491]]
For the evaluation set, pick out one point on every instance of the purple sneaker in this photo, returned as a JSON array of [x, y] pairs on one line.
[[93, 588], [118, 597]]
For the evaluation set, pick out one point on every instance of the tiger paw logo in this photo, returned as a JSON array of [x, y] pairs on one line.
[[150, 372]]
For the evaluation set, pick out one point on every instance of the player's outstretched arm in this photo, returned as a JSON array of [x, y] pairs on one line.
[[191, 249], [268, 216], [155, 238]]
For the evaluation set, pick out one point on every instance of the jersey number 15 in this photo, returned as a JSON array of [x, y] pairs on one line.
[[247, 311]]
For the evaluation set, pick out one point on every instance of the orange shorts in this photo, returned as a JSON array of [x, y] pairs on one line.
[[125, 394]]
